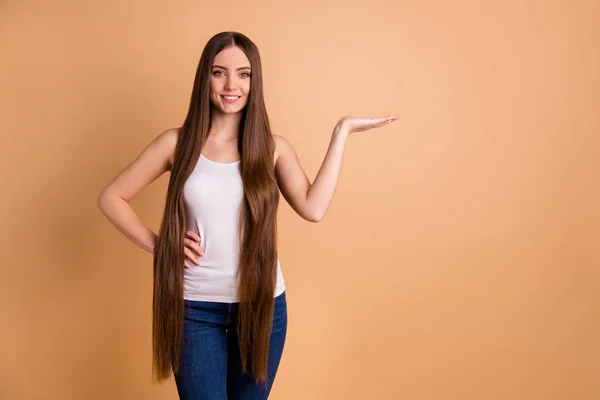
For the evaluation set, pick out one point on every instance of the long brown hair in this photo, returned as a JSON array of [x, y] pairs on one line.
[[258, 222]]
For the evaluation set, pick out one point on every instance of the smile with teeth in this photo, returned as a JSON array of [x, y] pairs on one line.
[[230, 99]]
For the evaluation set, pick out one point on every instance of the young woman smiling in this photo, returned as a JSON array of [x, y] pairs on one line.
[[219, 301]]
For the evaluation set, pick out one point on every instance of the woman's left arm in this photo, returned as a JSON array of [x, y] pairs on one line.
[[311, 201]]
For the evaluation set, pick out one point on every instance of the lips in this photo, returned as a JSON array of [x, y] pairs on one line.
[[230, 99]]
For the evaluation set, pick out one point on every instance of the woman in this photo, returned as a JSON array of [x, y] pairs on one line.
[[219, 304]]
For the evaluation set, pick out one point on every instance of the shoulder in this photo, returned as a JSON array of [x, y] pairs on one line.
[[282, 147], [168, 140]]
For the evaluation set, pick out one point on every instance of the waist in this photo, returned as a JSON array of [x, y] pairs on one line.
[[220, 285]]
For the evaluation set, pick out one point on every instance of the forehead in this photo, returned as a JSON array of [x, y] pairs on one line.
[[232, 57]]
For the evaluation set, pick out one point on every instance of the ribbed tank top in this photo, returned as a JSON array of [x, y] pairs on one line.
[[213, 195]]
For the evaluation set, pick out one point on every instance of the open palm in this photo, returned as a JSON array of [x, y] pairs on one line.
[[351, 124]]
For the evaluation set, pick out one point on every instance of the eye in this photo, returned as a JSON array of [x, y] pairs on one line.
[[216, 72], [247, 74]]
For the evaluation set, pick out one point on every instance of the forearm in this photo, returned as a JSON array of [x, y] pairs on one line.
[[122, 216], [320, 194]]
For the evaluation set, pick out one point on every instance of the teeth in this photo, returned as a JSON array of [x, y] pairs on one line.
[[231, 97]]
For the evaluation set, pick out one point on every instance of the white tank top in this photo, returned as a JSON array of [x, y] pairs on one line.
[[213, 195]]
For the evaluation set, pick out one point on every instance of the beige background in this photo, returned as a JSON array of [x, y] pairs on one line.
[[459, 258]]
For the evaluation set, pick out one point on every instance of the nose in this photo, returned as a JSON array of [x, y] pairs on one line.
[[229, 83]]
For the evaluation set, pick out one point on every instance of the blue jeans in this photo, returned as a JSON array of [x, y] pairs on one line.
[[210, 358]]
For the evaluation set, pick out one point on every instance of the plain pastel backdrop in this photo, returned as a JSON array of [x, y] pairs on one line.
[[458, 260]]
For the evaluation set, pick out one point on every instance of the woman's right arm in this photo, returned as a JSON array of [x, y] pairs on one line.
[[113, 201]]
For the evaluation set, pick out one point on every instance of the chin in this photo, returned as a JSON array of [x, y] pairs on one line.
[[232, 111], [228, 110]]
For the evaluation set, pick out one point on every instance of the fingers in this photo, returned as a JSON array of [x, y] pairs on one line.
[[193, 235], [379, 122], [385, 120], [192, 242], [191, 256], [194, 246]]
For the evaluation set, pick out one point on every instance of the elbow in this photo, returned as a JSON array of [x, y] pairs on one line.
[[101, 201], [315, 217], [104, 199]]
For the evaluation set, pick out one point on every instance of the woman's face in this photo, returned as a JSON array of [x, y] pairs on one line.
[[230, 80]]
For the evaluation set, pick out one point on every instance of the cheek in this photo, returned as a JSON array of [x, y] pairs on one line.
[[214, 85], [246, 95]]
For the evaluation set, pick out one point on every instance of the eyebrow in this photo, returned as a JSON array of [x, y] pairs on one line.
[[219, 66]]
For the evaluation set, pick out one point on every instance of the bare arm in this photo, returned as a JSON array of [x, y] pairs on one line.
[[153, 161], [311, 201], [320, 194]]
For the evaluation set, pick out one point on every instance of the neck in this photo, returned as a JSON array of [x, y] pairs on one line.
[[225, 127]]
